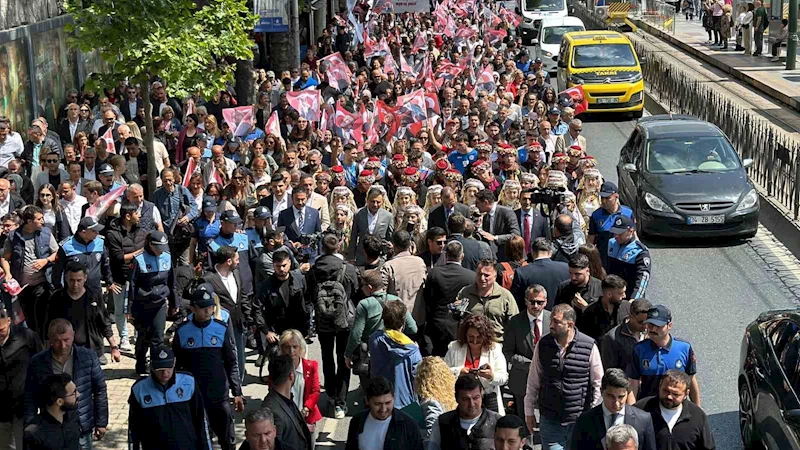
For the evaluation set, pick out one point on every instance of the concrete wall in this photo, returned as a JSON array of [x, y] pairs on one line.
[[15, 13]]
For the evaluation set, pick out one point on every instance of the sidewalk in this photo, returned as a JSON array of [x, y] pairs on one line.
[[771, 78]]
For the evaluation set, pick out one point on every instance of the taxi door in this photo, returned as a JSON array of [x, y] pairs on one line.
[[562, 64]]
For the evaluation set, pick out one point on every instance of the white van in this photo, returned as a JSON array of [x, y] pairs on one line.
[[548, 40], [534, 11]]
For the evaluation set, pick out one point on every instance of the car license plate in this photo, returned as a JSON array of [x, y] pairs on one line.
[[705, 220], [608, 100]]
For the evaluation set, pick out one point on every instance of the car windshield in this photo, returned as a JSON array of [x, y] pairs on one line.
[[544, 5], [604, 55], [699, 154], [552, 35]]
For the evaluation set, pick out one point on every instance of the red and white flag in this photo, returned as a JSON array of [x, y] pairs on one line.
[[579, 101], [495, 36], [432, 104], [405, 67], [239, 119], [338, 73], [387, 118], [420, 44], [191, 166], [485, 81], [108, 136], [273, 124], [102, 204], [511, 17], [306, 102]]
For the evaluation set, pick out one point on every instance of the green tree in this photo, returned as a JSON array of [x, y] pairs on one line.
[[192, 45]]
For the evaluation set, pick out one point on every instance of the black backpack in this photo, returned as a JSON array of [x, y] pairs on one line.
[[333, 304]]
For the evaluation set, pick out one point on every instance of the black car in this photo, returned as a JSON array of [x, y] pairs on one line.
[[769, 381], [682, 177]]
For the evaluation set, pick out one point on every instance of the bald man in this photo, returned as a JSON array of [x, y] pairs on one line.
[[9, 201]]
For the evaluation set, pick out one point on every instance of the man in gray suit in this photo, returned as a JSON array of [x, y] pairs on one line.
[[370, 220], [522, 334], [499, 223]]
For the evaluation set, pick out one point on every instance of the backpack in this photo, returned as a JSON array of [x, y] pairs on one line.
[[333, 304], [508, 274]]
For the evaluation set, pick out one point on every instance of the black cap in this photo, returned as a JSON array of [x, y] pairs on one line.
[[622, 224], [105, 169], [90, 223], [159, 240], [608, 189], [262, 212], [230, 216], [203, 296], [564, 102], [659, 316], [201, 137], [554, 110], [161, 357], [209, 204], [537, 60]]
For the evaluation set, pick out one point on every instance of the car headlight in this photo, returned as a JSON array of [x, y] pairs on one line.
[[575, 80], [655, 203], [548, 54], [750, 200], [636, 77], [636, 98]]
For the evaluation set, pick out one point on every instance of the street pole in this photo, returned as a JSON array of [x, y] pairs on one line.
[[791, 45], [295, 30]]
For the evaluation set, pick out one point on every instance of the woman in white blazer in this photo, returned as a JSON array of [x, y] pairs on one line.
[[476, 351]]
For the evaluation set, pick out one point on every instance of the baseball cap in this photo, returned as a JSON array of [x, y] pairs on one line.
[[262, 212], [608, 189], [554, 110], [270, 233], [230, 216], [105, 169], [270, 74], [537, 60], [90, 223], [159, 240], [622, 224], [203, 296], [659, 315], [209, 204], [161, 357], [201, 137]]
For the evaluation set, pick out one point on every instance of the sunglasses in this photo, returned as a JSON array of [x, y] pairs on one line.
[[84, 110], [51, 160], [238, 178], [536, 302], [442, 242]]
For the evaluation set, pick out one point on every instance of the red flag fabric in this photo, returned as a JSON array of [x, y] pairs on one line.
[[306, 102], [495, 36], [108, 136], [239, 119], [485, 81], [102, 204], [432, 104], [389, 64], [338, 73], [387, 118], [578, 98], [190, 168], [412, 109], [510, 17], [419, 43], [273, 124], [405, 67]]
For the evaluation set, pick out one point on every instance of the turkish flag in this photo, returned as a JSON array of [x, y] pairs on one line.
[[387, 117], [486, 81], [389, 64], [190, 166], [510, 17], [108, 136], [420, 44], [578, 98], [306, 102], [495, 36], [432, 104], [273, 124], [339, 74]]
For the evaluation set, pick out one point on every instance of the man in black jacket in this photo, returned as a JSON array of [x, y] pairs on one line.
[[331, 268], [57, 426], [17, 346], [449, 433], [542, 270], [366, 431], [289, 422], [441, 288], [439, 216], [499, 223], [474, 251], [280, 302], [582, 289], [590, 429]]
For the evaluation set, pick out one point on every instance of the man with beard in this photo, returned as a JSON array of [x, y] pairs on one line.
[[57, 426], [582, 289], [610, 311]]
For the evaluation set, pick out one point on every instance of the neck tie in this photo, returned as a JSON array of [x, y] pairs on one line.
[[526, 232], [536, 333], [613, 420], [300, 220]]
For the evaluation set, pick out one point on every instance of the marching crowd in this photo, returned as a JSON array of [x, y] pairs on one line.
[[438, 225]]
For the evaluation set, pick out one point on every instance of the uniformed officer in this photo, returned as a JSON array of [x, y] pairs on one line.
[[166, 409], [262, 219], [603, 219], [657, 354], [87, 247], [206, 228], [230, 237], [151, 292], [204, 346], [628, 258]]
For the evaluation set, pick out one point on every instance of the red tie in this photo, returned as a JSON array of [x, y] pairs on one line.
[[526, 233], [536, 333]]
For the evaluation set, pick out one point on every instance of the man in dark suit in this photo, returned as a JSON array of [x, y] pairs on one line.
[[289, 421], [531, 222], [370, 220], [542, 270], [439, 215], [73, 125], [441, 288], [131, 104], [522, 334], [499, 223], [474, 251], [590, 429], [301, 220]]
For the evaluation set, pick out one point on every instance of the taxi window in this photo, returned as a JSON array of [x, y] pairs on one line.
[[603, 55]]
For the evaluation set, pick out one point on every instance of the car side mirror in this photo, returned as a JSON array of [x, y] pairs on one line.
[[643, 60], [629, 168], [747, 163], [516, 10], [535, 41], [555, 58], [792, 417]]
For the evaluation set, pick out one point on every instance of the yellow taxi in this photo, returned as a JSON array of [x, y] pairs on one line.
[[605, 64]]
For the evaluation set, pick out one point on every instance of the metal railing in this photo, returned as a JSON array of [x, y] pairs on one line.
[[659, 14], [775, 153]]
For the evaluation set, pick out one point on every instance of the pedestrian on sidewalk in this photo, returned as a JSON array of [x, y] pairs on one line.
[[779, 40], [707, 22], [761, 24], [725, 26], [688, 9], [747, 29], [716, 18], [738, 26]]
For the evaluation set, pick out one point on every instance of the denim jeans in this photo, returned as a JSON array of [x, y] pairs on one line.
[[86, 441], [554, 435], [238, 336], [120, 305]]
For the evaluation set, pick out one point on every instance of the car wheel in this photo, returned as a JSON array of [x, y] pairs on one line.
[[746, 420], [639, 230]]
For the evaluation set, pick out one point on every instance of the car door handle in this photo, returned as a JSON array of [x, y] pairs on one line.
[[759, 372]]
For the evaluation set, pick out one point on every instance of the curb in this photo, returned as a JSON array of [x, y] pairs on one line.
[[768, 90], [772, 216]]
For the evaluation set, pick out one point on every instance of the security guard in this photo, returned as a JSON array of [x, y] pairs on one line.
[[88, 248], [206, 228], [628, 258], [228, 236], [657, 354], [204, 346], [604, 217], [166, 409], [152, 289], [262, 218]]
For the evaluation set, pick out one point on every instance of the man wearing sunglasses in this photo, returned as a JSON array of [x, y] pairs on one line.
[[522, 334], [52, 173]]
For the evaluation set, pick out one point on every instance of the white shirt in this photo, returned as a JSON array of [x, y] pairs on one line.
[[5, 205], [11, 148], [671, 416], [374, 433], [90, 174], [279, 205], [467, 424], [490, 215], [607, 415], [372, 221], [72, 209], [298, 387], [230, 284], [522, 214], [73, 126]]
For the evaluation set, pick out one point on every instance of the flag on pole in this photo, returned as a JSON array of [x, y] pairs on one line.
[[273, 124], [102, 204], [239, 119], [338, 73], [108, 136], [191, 166], [420, 44], [306, 102], [578, 98], [405, 67]]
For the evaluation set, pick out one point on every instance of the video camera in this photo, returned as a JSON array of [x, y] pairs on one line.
[[547, 196]]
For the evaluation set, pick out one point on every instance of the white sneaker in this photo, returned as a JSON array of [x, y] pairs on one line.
[[775, 59], [125, 345]]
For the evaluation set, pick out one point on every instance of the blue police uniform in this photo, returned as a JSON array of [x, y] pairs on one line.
[[93, 255], [208, 351], [649, 363], [632, 262], [204, 232], [152, 289], [255, 241], [167, 417], [600, 225], [241, 243]]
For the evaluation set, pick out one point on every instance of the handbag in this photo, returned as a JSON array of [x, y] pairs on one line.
[[360, 362]]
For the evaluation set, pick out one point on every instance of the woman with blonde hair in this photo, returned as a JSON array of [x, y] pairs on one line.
[[342, 223], [404, 197], [342, 195], [433, 198], [414, 220], [509, 194], [135, 130], [434, 384], [589, 193], [471, 187], [305, 390], [213, 132]]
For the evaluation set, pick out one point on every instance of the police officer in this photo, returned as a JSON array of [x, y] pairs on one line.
[[603, 219], [230, 237], [151, 290], [206, 228], [87, 247], [657, 354], [262, 218], [628, 258], [105, 175], [204, 346], [166, 408]]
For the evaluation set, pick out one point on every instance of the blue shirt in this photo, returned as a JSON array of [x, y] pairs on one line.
[[169, 204], [561, 128], [253, 135], [600, 225], [649, 363], [460, 161]]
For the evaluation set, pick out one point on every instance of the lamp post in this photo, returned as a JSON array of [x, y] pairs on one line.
[[791, 45]]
